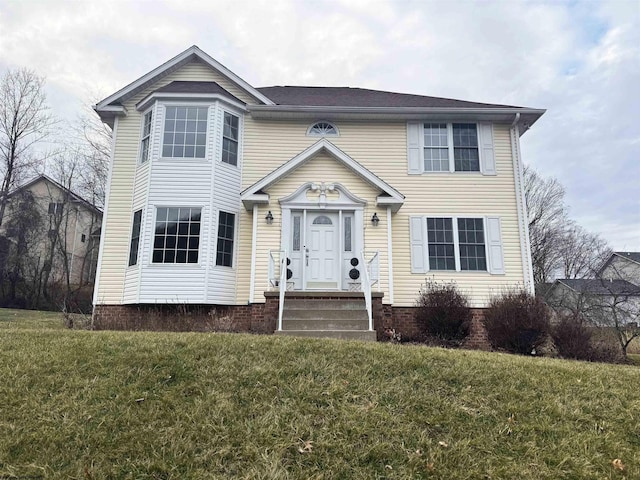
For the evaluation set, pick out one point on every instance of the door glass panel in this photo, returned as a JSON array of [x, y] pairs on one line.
[[296, 234], [347, 234], [322, 220]]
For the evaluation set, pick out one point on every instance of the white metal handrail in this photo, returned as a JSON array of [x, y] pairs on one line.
[[272, 269], [366, 290], [373, 265], [282, 285]]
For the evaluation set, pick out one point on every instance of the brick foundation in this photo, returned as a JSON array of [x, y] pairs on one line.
[[403, 321], [184, 318], [259, 318]]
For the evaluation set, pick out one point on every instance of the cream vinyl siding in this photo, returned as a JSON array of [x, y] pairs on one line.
[[382, 148], [321, 168], [110, 286]]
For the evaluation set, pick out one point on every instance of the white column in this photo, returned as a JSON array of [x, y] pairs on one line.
[[254, 236]]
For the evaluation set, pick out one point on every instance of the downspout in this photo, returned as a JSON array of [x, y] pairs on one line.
[[73, 248], [390, 254], [522, 206]]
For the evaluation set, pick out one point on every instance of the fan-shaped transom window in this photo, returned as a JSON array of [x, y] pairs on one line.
[[322, 220], [323, 129]]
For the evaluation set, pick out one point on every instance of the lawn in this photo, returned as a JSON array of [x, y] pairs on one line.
[[91, 405]]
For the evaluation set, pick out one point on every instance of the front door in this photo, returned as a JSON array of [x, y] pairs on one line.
[[322, 251]]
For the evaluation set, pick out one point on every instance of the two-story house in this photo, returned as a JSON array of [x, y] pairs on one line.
[[280, 208], [50, 238]]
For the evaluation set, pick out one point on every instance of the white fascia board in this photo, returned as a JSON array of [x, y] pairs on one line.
[[117, 109], [417, 110], [390, 202], [145, 103], [496, 115], [174, 63], [338, 154], [254, 199]]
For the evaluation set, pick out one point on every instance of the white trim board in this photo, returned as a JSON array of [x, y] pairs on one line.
[[391, 198]]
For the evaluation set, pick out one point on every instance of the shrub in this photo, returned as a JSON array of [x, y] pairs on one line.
[[443, 313], [575, 340], [517, 322], [572, 338]]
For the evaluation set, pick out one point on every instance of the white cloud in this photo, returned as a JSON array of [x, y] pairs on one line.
[[579, 60]]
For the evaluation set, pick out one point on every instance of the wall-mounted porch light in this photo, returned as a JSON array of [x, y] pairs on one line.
[[375, 220], [269, 218]]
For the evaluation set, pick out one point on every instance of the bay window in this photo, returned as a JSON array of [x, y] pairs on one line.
[[185, 132]]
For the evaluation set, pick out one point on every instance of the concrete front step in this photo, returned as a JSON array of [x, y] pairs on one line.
[[325, 324], [324, 314], [364, 335], [319, 304]]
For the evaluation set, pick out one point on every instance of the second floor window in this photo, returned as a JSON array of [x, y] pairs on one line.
[[146, 137], [185, 132], [451, 147], [230, 139], [56, 208]]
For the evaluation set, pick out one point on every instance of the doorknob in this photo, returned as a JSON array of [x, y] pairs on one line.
[[306, 255]]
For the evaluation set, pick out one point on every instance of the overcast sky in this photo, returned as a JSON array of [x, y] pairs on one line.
[[579, 60]]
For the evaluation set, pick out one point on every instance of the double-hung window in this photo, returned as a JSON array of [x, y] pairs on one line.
[[177, 235], [135, 238], [467, 248], [230, 139], [185, 132], [456, 244], [56, 208], [450, 147], [146, 136], [226, 228]]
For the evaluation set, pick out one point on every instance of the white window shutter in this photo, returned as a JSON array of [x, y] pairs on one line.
[[487, 154], [413, 148], [418, 258], [494, 245]]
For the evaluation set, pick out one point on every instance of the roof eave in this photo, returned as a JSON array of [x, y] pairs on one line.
[[169, 96], [528, 116]]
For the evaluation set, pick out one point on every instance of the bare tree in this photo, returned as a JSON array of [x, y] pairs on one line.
[[612, 306], [547, 216], [92, 142], [20, 253], [25, 119], [582, 252]]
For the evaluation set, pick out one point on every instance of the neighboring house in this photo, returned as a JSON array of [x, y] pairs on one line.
[[612, 298], [622, 265], [56, 227], [214, 183]]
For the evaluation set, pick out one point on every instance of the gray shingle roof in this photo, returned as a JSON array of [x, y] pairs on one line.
[[601, 287], [635, 256], [180, 86], [361, 97]]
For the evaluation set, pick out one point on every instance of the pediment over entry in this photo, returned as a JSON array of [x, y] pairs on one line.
[[388, 197]]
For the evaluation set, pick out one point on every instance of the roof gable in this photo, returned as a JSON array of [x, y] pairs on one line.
[[113, 104], [628, 256], [254, 194], [44, 178]]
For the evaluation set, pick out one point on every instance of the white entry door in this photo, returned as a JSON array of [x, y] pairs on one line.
[[322, 251]]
